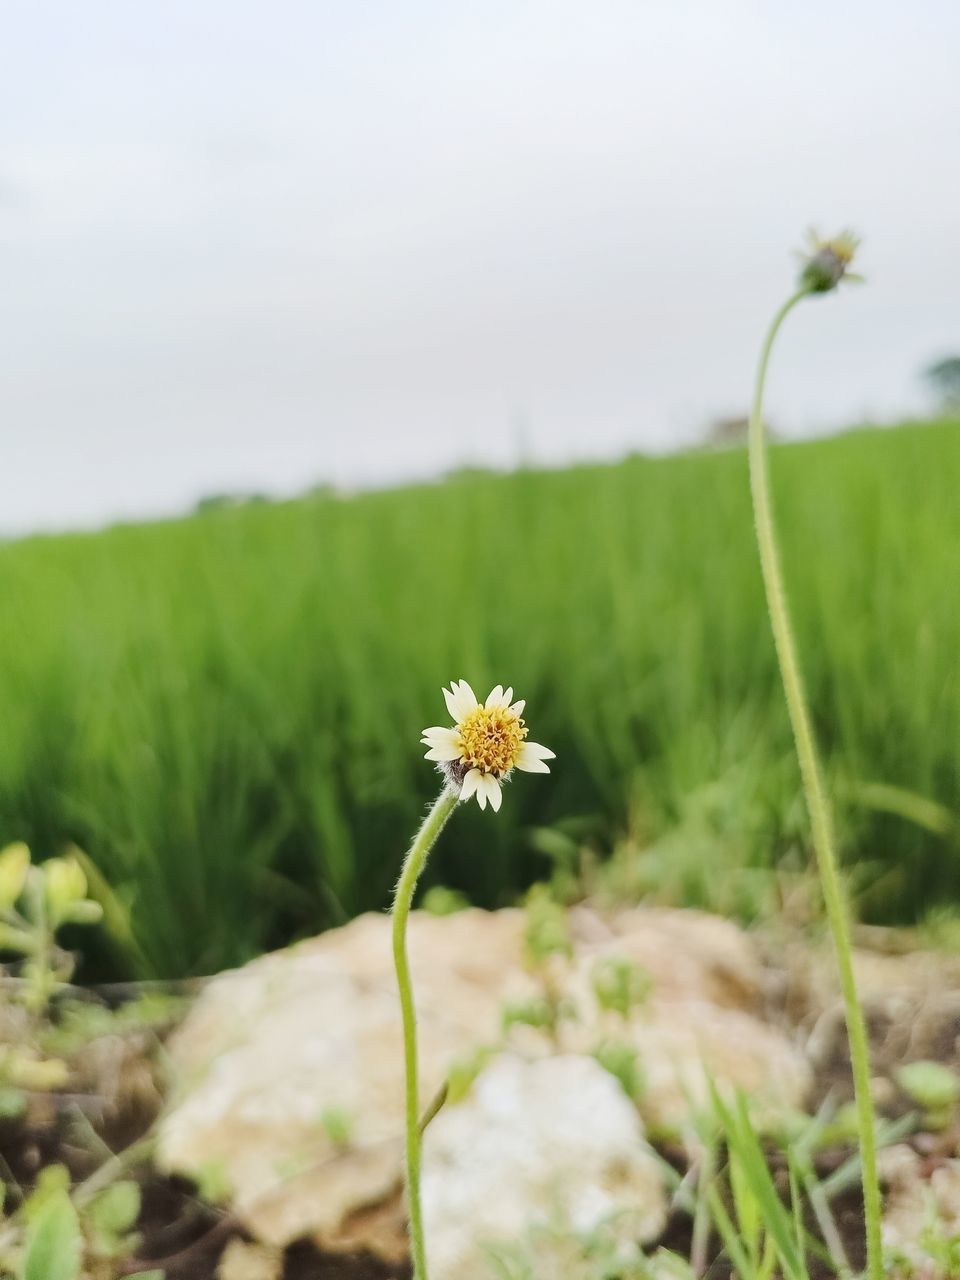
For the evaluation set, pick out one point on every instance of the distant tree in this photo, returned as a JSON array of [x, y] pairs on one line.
[[731, 433], [219, 501], [944, 377]]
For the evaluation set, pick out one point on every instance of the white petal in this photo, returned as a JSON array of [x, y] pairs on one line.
[[542, 753], [470, 784], [437, 733], [460, 700], [517, 707], [530, 761], [440, 733], [443, 753], [495, 697], [492, 788]]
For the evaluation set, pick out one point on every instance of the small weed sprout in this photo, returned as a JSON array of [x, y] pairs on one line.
[[620, 985], [337, 1124], [934, 1087], [475, 755], [546, 942]]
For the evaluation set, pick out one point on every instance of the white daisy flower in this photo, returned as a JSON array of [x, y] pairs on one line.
[[487, 742]]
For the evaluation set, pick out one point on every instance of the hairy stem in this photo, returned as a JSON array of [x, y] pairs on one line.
[[413, 865], [820, 815]]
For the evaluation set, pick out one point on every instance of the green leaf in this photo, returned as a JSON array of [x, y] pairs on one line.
[[54, 1242], [213, 1182], [14, 939], [931, 1084], [337, 1124], [64, 885], [52, 1181], [116, 1209], [441, 901], [623, 1063], [86, 911]]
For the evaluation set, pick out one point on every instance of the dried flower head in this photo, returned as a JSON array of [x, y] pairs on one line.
[[487, 742], [827, 262]]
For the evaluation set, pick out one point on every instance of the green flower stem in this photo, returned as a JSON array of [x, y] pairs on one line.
[[817, 803], [413, 865]]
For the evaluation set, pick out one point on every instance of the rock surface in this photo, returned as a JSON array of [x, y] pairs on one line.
[[290, 1069], [536, 1142], [920, 1206]]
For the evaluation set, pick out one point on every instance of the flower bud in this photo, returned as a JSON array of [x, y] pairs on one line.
[[14, 861], [65, 886], [827, 261]]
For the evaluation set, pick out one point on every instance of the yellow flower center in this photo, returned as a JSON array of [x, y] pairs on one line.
[[491, 740], [843, 248]]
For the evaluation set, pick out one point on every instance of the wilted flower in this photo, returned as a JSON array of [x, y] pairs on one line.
[[827, 262], [485, 745]]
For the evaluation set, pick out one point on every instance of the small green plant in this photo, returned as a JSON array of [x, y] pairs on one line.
[[59, 1234], [556, 1248], [546, 931], [620, 985], [35, 903], [109, 1219], [546, 943], [475, 756], [934, 1087], [54, 1242], [542, 1013], [338, 1125]]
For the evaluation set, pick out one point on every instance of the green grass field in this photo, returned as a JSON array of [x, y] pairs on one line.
[[224, 711]]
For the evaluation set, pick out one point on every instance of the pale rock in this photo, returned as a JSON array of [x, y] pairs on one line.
[[915, 1205], [267, 1050], [688, 954], [912, 1001], [243, 1261], [554, 1139], [701, 1022]]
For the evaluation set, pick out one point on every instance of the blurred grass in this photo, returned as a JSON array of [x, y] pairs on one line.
[[224, 710]]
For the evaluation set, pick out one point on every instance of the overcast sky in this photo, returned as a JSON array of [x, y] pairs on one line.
[[263, 245]]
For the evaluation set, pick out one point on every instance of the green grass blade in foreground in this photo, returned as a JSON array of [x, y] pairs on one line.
[[744, 1147]]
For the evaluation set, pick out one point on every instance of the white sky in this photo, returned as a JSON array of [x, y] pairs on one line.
[[262, 245]]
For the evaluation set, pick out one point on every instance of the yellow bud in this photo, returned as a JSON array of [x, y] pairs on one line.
[[14, 861], [64, 885]]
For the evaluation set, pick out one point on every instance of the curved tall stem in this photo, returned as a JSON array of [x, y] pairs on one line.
[[403, 898], [820, 815]]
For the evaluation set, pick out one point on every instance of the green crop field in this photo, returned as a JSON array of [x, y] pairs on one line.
[[224, 711]]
